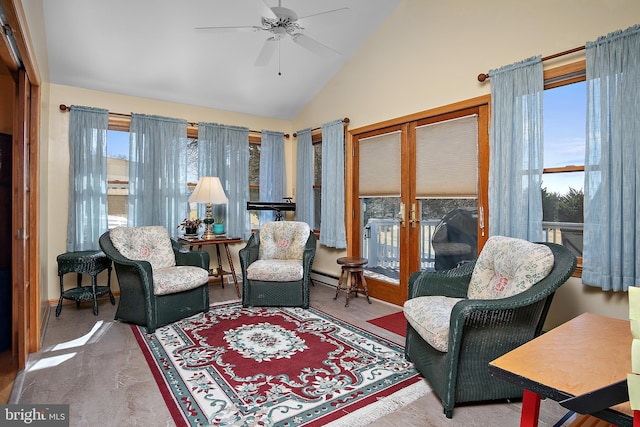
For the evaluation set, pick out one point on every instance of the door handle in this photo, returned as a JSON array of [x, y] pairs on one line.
[[412, 218]]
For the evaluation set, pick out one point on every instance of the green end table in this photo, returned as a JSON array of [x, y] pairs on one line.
[[84, 262]]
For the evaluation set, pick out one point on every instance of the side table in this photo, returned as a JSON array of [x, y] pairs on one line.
[[84, 262], [218, 272], [584, 354]]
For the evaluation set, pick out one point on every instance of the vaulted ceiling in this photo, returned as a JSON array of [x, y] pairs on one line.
[[150, 49]]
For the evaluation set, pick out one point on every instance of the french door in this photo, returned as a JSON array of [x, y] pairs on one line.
[[417, 193]]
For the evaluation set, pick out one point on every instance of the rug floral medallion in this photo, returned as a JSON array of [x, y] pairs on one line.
[[235, 366]]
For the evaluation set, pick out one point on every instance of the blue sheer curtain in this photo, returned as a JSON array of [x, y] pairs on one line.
[[516, 163], [272, 171], [611, 253], [223, 151], [88, 217], [304, 178], [332, 229], [157, 171]]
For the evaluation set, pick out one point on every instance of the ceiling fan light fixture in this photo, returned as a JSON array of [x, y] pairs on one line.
[[279, 33]]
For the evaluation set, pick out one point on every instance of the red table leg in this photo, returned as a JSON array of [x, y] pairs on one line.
[[530, 409]]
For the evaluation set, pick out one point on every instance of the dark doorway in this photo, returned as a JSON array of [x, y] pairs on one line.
[[5, 241]]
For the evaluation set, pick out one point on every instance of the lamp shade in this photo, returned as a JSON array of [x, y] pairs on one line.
[[209, 190]]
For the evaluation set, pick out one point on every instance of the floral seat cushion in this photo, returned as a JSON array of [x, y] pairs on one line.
[[170, 280], [275, 270], [150, 243], [429, 316], [153, 244], [507, 266], [283, 240]]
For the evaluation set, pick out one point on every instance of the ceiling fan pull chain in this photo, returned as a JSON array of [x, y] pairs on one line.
[[279, 62]]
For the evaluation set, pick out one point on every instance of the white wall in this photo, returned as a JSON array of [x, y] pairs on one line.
[[428, 54]]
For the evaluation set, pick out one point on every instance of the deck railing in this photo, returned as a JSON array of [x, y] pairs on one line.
[[380, 241]]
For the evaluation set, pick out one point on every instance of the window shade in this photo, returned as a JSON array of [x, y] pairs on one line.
[[380, 165], [447, 158]]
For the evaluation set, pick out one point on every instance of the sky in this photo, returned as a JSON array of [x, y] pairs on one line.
[[117, 144]]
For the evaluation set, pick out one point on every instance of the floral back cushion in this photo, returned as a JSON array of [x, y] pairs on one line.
[[507, 266], [283, 240], [150, 243]]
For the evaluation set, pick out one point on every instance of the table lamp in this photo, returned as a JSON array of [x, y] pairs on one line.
[[210, 192]]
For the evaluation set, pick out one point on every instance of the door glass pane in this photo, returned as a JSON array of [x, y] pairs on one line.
[[449, 233], [446, 187], [379, 192], [381, 237]]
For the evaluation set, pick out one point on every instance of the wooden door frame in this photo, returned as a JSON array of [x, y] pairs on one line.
[[352, 170], [25, 222], [352, 216]]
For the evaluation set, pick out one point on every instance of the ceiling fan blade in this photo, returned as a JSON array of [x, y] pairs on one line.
[[328, 17], [265, 10], [247, 29], [267, 51], [314, 46]]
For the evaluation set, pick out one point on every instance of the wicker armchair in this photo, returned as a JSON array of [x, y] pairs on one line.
[[478, 329], [276, 265], [160, 282]]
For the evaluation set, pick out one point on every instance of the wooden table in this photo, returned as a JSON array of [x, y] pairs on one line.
[[582, 355], [218, 272]]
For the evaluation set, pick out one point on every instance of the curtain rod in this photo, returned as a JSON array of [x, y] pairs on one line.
[[128, 116], [483, 77], [345, 121]]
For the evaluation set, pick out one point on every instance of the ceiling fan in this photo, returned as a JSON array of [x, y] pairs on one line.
[[281, 22]]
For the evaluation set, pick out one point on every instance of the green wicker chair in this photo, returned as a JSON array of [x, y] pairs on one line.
[[276, 265], [478, 330], [160, 282]]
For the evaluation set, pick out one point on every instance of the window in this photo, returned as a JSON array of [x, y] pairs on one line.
[[117, 177], [564, 156], [317, 180], [118, 173], [254, 179], [192, 173]]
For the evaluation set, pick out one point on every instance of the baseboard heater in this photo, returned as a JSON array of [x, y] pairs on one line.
[[324, 278]]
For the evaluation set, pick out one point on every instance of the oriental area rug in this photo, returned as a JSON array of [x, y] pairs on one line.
[[235, 366]]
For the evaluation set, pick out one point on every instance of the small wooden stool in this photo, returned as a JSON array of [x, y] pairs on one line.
[[355, 281]]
